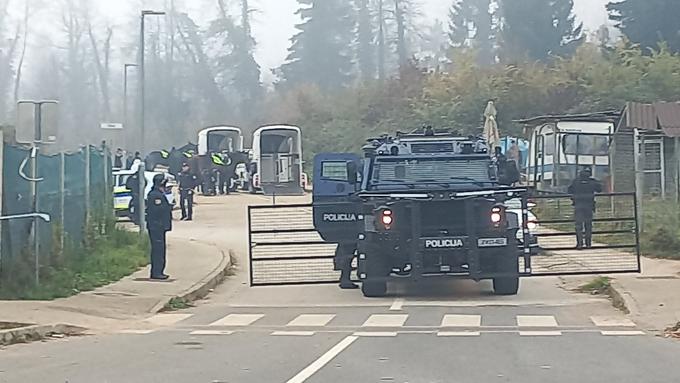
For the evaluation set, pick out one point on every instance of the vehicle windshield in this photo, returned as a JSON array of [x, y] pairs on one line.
[[426, 171]]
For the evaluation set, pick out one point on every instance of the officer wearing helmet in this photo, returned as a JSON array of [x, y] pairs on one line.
[[582, 191], [158, 222]]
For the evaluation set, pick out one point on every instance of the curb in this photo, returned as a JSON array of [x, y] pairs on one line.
[[201, 288], [622, 298], [36, 332]]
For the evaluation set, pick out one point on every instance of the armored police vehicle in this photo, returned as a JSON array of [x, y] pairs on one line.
[[421, 205]]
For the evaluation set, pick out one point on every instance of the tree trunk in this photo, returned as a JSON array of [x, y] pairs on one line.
[[401, 34], [381, 40]]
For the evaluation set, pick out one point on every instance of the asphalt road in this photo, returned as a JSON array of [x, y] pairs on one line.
[[444, 331]]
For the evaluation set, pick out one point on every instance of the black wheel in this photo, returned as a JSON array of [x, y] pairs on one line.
[[506, 286], [508, 263], [374, 289]]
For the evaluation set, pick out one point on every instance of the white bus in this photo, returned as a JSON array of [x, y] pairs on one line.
[[276, 161], [559, 148]]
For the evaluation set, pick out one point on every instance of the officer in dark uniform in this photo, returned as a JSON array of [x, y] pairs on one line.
[[158, 222], [344, 255], [187, 184], [583, 190]]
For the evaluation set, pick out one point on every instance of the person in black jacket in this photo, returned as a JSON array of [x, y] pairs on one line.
[[158, 222], [187, 183], [583, 190]]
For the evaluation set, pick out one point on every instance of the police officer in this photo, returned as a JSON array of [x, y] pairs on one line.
[[187, 183], [583, 190], [158, 222], [344, 254]]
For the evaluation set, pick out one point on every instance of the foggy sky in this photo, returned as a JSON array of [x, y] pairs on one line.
[[273, 23]]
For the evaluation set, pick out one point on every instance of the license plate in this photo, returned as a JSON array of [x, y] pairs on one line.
[[492, 242], [444, 243]]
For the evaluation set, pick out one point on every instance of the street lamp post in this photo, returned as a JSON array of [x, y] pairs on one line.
[[125, 93], [142, 81]]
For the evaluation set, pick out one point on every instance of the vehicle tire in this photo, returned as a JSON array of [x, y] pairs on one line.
[[508, 263], [506, 285], [374, 289]]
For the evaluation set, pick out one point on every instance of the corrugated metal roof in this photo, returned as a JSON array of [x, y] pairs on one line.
[[669, 117], [659, 116]]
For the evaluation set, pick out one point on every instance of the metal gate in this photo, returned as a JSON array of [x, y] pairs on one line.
[[615, 236], [285, 248]]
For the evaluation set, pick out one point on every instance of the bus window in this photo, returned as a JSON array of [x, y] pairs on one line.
[[589, 145], [549, 144]]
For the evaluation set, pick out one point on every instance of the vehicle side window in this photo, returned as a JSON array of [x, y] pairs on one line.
[[334, 170]]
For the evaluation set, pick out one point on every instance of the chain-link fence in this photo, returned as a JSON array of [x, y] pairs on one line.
[[73, 188]]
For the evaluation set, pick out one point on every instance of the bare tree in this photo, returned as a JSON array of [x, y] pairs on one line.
[[102, 59], [7, 58]]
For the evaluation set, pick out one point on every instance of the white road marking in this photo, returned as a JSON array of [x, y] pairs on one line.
[[385, 320], [459, 333], [237, 320], [452, 320], [318, 364], [540, 333], [311, 320], [397, 304], [375, 333], [536, 321], [622, 333], [167, 319], [613, 321], [136, 332], [211, 332], [293, 333]]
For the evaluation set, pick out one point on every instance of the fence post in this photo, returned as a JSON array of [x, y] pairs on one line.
[[638, 143], [34, 196], [62, 198], [141, 204], [87, 184], [2, 172]]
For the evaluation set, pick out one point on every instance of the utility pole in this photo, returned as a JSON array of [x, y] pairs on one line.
[[142, 81]]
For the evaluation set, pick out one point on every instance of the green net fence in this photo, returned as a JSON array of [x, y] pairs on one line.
[[73, 187]]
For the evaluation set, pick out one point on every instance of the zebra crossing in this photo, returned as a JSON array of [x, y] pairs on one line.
[[385, 325]]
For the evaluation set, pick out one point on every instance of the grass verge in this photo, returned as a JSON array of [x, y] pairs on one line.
[[105, 258], [603, 286]]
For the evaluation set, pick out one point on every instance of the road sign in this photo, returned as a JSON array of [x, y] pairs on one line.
[[46, 131], [111, 126]]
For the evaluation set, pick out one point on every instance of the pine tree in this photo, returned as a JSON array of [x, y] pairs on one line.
[[648, 22], [320, 52], [365, 37], [471, 25], [538, 29]]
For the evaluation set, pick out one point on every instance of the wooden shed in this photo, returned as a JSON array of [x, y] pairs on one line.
[[645, 150]]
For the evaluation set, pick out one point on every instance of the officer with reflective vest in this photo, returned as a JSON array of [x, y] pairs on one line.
[[187, 184], [583, 190], [158, 222]]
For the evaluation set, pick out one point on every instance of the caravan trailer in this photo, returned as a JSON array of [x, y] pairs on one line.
[[561, 145], [276, 163]]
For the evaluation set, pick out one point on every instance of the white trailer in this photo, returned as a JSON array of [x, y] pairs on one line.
[[276, 163]]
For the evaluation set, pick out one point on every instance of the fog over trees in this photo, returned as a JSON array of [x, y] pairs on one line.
[[354, 67]]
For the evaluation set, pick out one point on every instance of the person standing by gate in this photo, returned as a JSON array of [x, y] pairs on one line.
[[187, 184], [344, 255], [582, 191], [158, 222]]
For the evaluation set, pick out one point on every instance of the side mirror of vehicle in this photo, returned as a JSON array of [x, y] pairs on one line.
[[352, 173]]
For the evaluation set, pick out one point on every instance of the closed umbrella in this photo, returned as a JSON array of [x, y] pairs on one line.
[[491, 126]]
